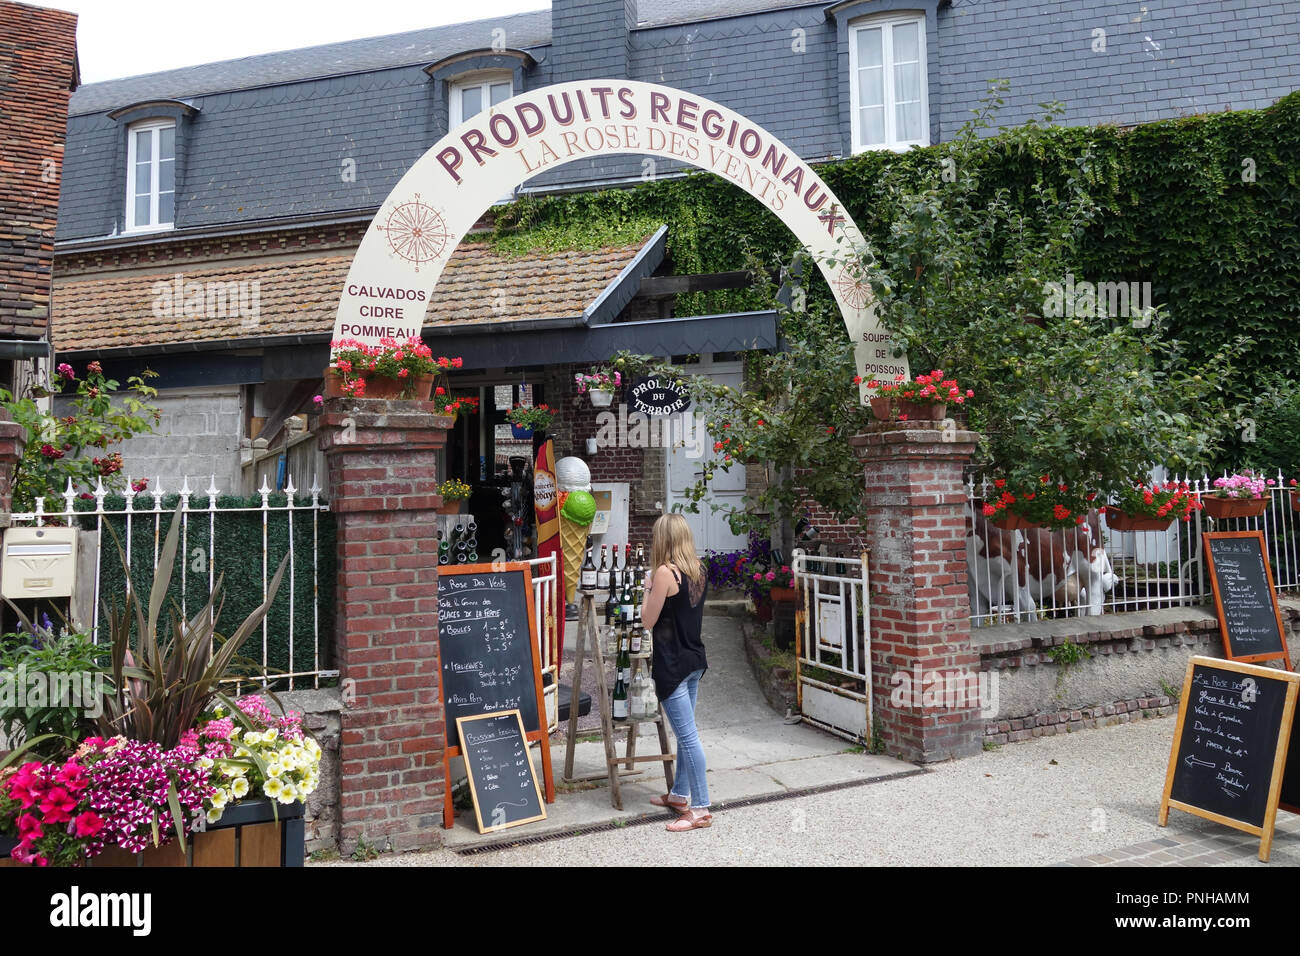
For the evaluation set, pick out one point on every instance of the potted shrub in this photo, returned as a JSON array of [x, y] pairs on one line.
[[172, 754], [1155, 507], [600, 385], [526, 419], [391, 369], [454, 495], [1049, 504], [924, 398], [1239, 495]]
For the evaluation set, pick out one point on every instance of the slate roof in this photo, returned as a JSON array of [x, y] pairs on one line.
[[478, 288], [523, 31]]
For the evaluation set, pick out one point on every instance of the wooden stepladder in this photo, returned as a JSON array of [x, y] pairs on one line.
[[591, 647]]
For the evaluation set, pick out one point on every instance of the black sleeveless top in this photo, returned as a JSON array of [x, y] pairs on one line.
[[678, 649]]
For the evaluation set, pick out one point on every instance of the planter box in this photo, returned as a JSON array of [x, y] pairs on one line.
[[1011, 522], [1117, 520], [1234, 507], [248, 835], [922, 411]]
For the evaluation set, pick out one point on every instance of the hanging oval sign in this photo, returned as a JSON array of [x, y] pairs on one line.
[[657, 398]]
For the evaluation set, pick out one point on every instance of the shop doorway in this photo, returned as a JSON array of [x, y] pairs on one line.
[[712, 533]]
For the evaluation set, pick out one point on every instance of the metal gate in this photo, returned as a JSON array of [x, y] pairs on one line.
[[833, 644]]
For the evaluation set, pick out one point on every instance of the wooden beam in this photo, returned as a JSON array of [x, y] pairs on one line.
[[274, 422], [658, 286]]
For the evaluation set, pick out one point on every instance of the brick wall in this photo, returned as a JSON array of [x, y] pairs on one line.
[[38, 51], [383, 471]]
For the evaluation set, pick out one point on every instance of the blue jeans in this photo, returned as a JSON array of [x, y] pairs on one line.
[[679, 707]]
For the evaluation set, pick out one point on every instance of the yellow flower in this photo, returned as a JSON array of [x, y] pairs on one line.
[[220, 799], [288, 793], [215, 814], [272, 788], [274, 768], [239, 789]]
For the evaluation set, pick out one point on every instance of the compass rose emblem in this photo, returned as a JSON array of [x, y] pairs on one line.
[[417, 232], [854, 290]]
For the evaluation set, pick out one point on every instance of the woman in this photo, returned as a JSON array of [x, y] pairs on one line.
[[674, 611]]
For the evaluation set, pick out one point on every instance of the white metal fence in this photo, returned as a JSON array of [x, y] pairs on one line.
[[1095, 569], [295, 658]]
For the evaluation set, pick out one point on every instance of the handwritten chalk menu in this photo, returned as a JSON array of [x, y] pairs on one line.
[[500, 769], [1230, 745], [1244, 597], [487, 644]]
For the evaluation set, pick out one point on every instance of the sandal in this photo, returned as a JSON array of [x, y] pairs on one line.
[[688, 821], [667, 801]]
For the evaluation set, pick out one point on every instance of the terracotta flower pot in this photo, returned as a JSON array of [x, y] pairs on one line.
[[922, 411], [451, 507], [783, 594], [333, 385], [882, 406], [422, 389], [379, 387], [1117, 520], [1010, 521], [1221, 508]]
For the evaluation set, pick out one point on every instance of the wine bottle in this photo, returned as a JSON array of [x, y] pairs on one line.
[[624, 663], [636, 640], [636, 701], [615, 575], [589, 572], [611, 607], [625, 603], [640, 565], [602, 574], [620, 699]]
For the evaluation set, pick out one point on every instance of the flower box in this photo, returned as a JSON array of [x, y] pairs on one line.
[[249, 834], [922, 411], [882, 406], [1010, 521], [784, 594], [1118, 520], [1222, 508]]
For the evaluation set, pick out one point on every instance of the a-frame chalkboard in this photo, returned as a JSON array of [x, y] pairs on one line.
[[500, 770], [488, 656], [1244, 597], [1229, 753]]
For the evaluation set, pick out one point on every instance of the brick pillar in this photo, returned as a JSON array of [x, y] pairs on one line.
[[13, 440], [383, 474], [915, 528]]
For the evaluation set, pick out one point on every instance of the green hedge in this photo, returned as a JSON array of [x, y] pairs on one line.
[[238, 560], [1221, 249]]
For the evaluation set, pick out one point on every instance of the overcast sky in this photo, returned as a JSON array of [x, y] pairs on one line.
[[117, 38]]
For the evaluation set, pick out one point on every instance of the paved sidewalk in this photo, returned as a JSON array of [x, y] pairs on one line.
[[751, 753], [793, 795]]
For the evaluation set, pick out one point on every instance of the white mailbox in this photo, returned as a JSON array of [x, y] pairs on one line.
[[38, 562]]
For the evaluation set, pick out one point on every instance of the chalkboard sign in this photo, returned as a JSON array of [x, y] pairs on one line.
[[487, 644], [1230, 745], [657, 398], [488, 657], [500, 770], [1244, 597]]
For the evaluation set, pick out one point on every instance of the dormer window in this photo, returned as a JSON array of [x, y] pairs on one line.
[[887, 83], [470, 96], [151, 175]]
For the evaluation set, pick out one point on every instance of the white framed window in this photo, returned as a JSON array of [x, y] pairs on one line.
[[470, 96], [151, 175], [887, 83]]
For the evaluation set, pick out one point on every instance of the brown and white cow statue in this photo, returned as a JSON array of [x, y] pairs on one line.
[[1035, 567]]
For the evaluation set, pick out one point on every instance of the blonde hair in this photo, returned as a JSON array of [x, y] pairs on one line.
[[671, 542]]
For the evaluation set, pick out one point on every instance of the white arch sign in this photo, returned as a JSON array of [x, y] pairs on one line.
[[433, 206]]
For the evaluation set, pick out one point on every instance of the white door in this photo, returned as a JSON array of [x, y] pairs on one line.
[[712, 533]]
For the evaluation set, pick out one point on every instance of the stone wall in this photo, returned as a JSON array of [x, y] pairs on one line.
[[321, 714], [1135, 668]]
